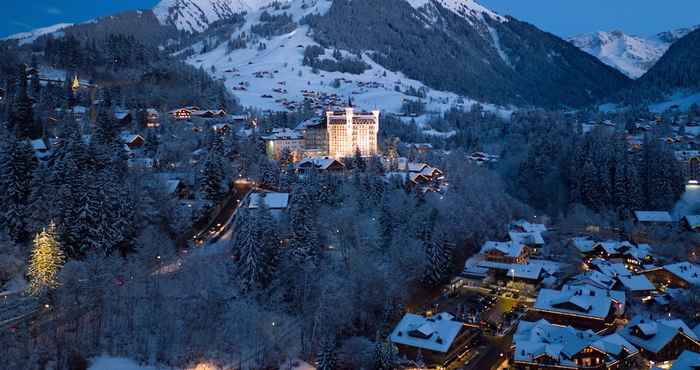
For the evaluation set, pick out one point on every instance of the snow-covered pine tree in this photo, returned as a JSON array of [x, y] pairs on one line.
[[152, 144], [38, 212], [326, 357], [304, 241], [211, 182], [22, 119], [252, 257], [439, 261], [45, 261], [384, 355], [269, 174], [15, 183], [358, 162], [269, 236]]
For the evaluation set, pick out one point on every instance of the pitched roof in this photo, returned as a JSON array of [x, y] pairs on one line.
[[686, 271], [322, 163], [653, 216], [527, 238], [687, 361], [692, 220], [437, 332], [636, 283], [580, 300], [583, 244], [658, 332], [535, 339], [609, 268], [510, 248]]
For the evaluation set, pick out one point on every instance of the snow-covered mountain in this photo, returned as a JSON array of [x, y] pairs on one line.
[[458, 50], [632, 55], [197, 15], [31, 36]]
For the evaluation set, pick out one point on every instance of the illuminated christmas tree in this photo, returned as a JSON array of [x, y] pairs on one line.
[[46, 260]]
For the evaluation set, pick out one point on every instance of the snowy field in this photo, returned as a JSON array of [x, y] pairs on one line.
[[119, 363]]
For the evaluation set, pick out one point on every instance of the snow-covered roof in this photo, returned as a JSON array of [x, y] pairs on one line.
[[687, 361], [655, 334], [528, 227], [636, 283], [583, 244], [527, 238], [532, 270], [38, 144], [128, 138], [416, 167], [308, 123], [692, 220], [171, 186], [610, 269], [509, 248], [686, 271], [283, 134], [580, 300], [321, 163], [436, 333], [653, 216], [533, 340], [272, 200], [594, 278]]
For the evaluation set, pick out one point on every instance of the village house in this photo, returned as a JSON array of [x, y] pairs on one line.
[[133, 141], [279, 140], [152, 118], [183, 113], [545, 346], [660, 340], [691, 223], [582, 306], [676, 275], [687, 361], [319, 164], [506, 252], [440, 339]]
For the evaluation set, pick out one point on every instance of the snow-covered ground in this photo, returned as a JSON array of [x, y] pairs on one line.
[[31, 36], [279, 67], [689, 204], [682, 100]]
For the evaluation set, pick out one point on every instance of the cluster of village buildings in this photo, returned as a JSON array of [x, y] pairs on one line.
[[612, 305]]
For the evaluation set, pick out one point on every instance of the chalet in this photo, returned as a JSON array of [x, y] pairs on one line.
[[652, 217], [123, 117], [677, 275], [280, 139], [660, 340], [545, 346], [582, 306], [208, 113], [687, 361], [440, 339], [152, 118], [507, 252], [691, 223], [276, 202], [481, 158], [320, 164], [183, 113], [133, 141], [421, 148], [531, 273]]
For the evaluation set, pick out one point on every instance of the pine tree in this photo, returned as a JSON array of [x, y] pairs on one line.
[[268, 234], [38, 213], [252, 256], [212, 177], [358, 162], [152, 144], [46, 260], [22, 119], [439, 252], [384, 355], [15, 186], [304, 243], [326, 358]]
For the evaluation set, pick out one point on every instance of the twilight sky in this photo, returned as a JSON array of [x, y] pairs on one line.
[[561, 17]]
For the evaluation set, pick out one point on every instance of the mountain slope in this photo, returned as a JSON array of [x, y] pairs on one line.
[[490, 58], [31, 36], [632, 55], [197, 15]]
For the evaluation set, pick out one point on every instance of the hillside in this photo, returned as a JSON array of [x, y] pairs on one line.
[[453, 47]]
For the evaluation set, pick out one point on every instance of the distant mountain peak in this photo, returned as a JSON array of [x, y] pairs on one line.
[[464, 8], [632, 55]]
